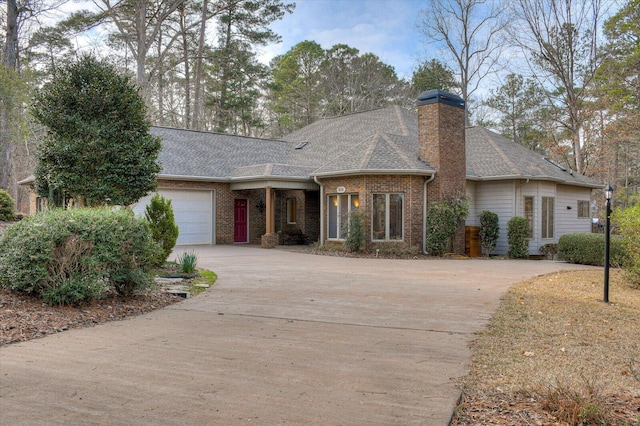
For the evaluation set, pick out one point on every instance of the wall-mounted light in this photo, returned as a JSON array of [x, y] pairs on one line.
[[356, 203], [261, 206], [568, 207], [335, 201]]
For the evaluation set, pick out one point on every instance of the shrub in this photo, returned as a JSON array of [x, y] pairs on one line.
[[69, 256], [355, 232], [489, 231], [442, 223], [588, 249], [159, 214], [549, 250], [628, 221], [7, 206], [518, 238], [187, 262]]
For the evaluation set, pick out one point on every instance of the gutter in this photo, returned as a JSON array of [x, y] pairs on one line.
[[315, 178], [424, 213]]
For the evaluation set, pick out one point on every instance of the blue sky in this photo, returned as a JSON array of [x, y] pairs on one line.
[[386, 28]]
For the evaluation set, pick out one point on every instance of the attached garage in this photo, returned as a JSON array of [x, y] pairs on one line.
[[193, 211]]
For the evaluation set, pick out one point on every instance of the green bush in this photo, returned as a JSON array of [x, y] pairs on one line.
[[442, 223], [628, 221], [187, 262], [549, 250], [518, 238], [588, 249], [7, 206], [489, 231], [355, 232], [69, 256], [159, 214]]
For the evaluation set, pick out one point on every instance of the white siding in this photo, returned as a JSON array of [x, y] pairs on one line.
[[497, 197], [472, 218], [567, 220]]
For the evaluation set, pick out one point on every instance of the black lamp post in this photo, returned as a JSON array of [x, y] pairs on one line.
[[608, 191]]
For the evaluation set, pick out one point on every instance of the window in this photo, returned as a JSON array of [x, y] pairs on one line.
[[387, 217], [528, 214], [338, 209], [583, 209], [291, 210], [547, 217]]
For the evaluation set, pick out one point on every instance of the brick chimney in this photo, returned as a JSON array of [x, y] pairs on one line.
[[441, 139]]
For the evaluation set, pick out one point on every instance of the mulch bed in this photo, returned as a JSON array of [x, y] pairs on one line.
[[24, 317]]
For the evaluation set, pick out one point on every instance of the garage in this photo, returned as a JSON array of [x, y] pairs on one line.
[[193, 211]]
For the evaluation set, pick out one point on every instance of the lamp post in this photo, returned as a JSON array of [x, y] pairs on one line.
[[608, 191]]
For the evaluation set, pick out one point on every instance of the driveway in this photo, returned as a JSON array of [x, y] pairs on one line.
[[283, 338]]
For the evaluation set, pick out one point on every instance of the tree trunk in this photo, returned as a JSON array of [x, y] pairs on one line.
[[198, 67], [11, 40]]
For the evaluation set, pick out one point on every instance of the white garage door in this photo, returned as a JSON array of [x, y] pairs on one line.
[[193, 211]]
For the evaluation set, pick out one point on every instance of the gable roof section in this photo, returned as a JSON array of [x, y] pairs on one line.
[[213, 156], [494, 157], [380, 153], [331, 138]]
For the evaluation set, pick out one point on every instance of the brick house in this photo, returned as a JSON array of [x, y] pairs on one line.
[[389, 163]]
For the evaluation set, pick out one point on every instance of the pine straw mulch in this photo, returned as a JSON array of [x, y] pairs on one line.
[[555, 354], [24, 317]]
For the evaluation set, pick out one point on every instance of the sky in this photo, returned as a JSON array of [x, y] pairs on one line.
[[386, 28]]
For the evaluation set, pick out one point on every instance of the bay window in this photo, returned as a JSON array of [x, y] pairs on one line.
[[339, 207]]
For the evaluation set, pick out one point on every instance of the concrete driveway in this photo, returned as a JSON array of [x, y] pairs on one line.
[[283, 338]]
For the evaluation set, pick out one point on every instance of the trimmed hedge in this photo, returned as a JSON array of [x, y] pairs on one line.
[[518, 238], [588, 249], [70, 256]]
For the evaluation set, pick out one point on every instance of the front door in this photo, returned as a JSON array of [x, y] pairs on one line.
[[240, 222]]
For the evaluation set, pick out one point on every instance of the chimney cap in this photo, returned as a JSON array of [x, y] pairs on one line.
[[439, 96]]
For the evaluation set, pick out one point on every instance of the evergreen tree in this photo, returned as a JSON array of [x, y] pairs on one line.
[[98, 149]]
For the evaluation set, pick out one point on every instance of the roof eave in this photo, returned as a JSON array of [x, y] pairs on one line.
[[414, 172], [194, 178], [544, 178]]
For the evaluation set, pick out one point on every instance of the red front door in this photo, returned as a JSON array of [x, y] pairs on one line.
[[240, 222]]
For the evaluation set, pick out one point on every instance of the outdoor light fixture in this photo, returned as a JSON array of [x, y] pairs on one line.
[[608, 192]]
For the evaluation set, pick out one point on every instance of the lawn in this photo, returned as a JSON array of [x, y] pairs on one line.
[[554, 353]]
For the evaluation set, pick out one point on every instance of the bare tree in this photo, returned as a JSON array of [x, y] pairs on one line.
[[561, 38], [468, 31]]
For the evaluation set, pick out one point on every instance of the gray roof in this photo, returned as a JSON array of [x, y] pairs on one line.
[[378, 141], [197, 154], [493, 157]]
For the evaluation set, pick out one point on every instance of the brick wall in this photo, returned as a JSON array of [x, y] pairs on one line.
[[365, 186], [441, 138]]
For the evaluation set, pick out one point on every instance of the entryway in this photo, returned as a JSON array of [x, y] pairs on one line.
[[240, 221]]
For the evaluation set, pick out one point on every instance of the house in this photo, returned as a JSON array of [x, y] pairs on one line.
[[389, 163]]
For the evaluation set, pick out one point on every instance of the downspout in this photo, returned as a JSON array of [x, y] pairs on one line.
[[315, 178], [424, 213]]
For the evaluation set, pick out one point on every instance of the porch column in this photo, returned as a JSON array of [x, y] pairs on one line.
[[270, 227], [270, 238]]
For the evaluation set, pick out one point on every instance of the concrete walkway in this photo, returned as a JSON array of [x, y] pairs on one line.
[[282, 338]]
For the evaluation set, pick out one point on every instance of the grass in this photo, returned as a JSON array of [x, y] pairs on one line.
[[555, 351]]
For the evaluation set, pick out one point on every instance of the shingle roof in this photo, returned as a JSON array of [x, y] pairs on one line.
[[379, 153], [376, 141], [213, 155], [493, 157]]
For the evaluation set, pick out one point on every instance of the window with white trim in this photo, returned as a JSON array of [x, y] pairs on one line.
[[387, 219], [339, 207], [548, 204], [528, 214]]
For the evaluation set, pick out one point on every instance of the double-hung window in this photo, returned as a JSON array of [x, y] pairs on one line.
[[583, 209], [528, 214], [387, 219], [339, 207], [547, 216]]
